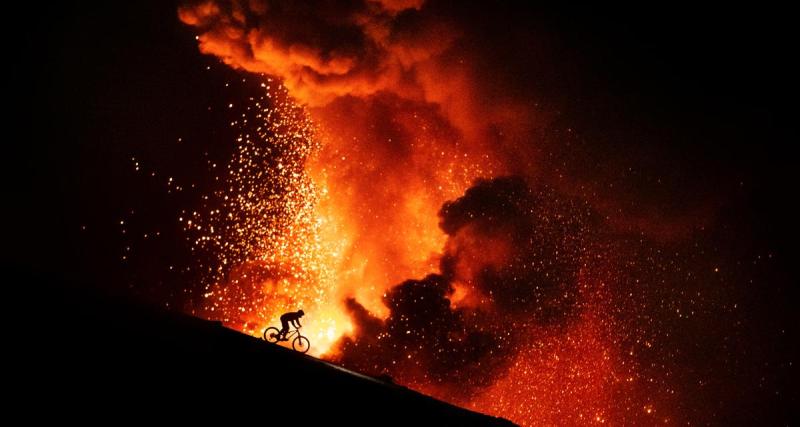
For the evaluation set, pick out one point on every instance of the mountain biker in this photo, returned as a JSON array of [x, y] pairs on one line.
[[292, 317]]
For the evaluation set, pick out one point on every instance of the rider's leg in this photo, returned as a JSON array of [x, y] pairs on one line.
[[284, 330]]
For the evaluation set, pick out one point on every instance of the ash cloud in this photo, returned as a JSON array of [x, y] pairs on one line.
[[520, 248], [429, 52], [515, 254], [322, 50]]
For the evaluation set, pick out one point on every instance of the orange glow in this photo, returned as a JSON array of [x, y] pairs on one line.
[[569, 378], [352, 223]]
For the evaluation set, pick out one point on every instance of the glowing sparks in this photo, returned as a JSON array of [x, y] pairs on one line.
[[262, 228], [280, 240]]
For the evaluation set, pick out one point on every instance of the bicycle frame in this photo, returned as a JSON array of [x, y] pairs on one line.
[[291, 334]]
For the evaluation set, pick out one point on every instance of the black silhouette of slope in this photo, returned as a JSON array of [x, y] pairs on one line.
[[88, 354]]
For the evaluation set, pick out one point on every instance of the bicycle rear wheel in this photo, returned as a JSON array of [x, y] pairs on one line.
[[301, 344], [271, 334]]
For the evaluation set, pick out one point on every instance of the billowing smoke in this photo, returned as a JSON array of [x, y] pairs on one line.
[[322, 50], [427, 52], [514, 254], [519, 249]]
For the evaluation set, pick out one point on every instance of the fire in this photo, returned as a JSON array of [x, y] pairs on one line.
[[283, 240], [263, 227], [383, 213]]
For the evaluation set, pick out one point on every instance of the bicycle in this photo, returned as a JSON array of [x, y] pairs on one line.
[[299, 342]]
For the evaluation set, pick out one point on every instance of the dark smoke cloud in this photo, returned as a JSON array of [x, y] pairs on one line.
[[518, 247], [322, 50], [516, 254], [423, 339], [430, 52]]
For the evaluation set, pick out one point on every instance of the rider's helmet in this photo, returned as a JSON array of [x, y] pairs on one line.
[[301, 312]]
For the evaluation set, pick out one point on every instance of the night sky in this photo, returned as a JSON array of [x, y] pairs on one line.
[[660, 150]]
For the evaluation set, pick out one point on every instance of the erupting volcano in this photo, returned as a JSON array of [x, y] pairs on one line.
[[442, 191]]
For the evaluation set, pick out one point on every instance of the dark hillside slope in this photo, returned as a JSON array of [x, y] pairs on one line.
[[87, 354]]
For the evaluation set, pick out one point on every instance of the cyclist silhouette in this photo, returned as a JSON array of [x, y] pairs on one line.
[[292, 317]]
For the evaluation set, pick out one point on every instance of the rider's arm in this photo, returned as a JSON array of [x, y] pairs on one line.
[[298, 323]]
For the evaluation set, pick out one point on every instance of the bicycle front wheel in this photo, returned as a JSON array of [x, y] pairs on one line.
[[271, 334], [301, 344]]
